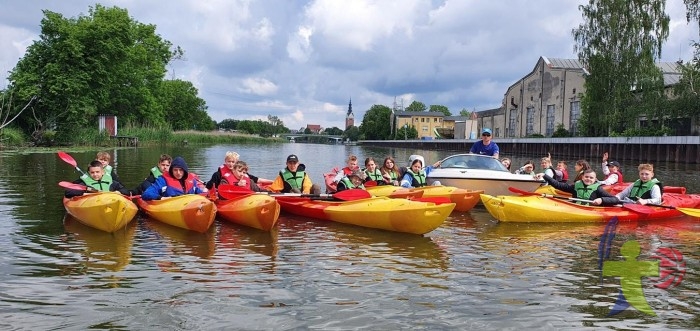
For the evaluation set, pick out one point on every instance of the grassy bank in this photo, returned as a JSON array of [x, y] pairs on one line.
[[13, 138]]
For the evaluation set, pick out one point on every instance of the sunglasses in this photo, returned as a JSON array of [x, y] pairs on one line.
[[485, 135]]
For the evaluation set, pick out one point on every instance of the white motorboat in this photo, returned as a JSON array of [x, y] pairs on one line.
[[479, 172]]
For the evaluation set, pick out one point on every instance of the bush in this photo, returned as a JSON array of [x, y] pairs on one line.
[[12, 137]]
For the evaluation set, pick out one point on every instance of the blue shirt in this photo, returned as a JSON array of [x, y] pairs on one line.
[[479, 148]]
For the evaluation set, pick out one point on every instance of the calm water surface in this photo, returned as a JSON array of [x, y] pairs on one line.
[[470, 273]]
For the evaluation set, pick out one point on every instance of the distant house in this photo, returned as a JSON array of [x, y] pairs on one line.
[[315, 128]]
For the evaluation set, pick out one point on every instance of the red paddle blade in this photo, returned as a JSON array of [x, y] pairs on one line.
[[370, 183], [523, 192], [72, 186], [646, 210], [352, 194], [67, 158]]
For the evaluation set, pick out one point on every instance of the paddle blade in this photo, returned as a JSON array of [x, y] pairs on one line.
[[522, 192], [690, 211], [67, 158], [370, 183], [641, 209], [77, 187], [352, 194]]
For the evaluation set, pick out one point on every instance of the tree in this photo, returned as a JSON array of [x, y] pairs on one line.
[[334, 131], [277, 124], [406, 132], [619, 42], [375, 123], [102, 63], [182, 108], [307, 131], [416, 106], [441, 109], [464, 112], [352, 133]]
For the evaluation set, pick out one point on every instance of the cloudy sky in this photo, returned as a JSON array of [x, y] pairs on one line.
[[303, 60]]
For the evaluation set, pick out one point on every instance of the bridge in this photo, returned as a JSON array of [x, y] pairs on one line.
[[301, 137]]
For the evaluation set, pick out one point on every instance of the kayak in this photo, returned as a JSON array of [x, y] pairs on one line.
[[464, 200], [530, 208], [190, 211], [399, 215], [106, 211], [259, 211]]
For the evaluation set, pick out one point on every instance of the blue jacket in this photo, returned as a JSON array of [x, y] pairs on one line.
[[167, 186]]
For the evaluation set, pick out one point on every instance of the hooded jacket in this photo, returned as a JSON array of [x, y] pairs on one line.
[[169, 186]]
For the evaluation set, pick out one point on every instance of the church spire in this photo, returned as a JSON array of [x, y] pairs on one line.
[[350, 107]]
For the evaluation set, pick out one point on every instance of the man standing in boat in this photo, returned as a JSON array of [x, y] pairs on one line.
[[485, 146]]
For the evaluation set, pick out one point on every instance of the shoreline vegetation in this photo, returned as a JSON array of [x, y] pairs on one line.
[[13, 139]]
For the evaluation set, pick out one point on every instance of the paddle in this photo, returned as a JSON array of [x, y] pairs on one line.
[[78, 187], [544, 195], [70, 160], [230, 191], [646, 209], [370, 183]]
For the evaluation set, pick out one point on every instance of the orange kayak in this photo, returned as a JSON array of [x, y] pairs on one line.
[[399, 215], [259, 211], [464, 200], [190, 211]]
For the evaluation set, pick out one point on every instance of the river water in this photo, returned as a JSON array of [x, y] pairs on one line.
[[471, 273]]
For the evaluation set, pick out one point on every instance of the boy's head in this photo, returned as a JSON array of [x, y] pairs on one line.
[[164, 162], [95, 170], [352, 162], [103, 157], [561, 165]]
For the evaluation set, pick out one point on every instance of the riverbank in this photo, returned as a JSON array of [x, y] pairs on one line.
[[678, 149]]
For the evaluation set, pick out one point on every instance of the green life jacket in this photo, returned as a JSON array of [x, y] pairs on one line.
[[375, 176], [418, 179], [643, 190], [349, 185], [100, 185], [292, 180], [155, 171], [584, 192]]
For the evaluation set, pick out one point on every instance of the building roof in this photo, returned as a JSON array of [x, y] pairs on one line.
[[457, 118], [419, 113]]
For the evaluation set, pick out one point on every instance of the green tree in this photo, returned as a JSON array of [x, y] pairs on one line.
[[228, 124], [619, 42], [687, 91], [183, 109], [334, 131], [465, 112], [375, 123], [406, 132], [102, 63], [441, 109], [416, 106], [352, 133], [277, 124], [307, 131]]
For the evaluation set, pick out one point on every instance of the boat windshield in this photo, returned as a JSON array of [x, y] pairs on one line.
[[472, 161]]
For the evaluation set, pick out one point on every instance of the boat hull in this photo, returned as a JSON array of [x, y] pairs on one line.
[[106, 211], [490, 186], [464, 200], [189, 211], [398, 215], [541, 209], [253, 210]]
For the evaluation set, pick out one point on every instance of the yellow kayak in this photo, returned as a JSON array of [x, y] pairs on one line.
[[255, 210], [464, 200], [106, 211], [190, 211], [399, 215]]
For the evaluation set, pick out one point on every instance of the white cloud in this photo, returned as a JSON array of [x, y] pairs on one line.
[[304, 60]]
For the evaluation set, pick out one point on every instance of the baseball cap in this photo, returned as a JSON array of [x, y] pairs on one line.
[[292, 158], [614, 164], [486, 130]]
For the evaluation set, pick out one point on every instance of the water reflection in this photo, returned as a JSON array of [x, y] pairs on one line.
[[98, 250]]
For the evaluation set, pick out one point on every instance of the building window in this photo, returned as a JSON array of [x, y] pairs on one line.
[[574, 116], [530, 124], [422, 120], [435, 119], [512, 122], [425, 128], [550, 121]]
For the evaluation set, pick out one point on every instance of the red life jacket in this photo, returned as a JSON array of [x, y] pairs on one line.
[[619, 176], [226, 173], [176, 185]]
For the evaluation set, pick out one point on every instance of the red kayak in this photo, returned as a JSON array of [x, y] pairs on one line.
[[619, 187]]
